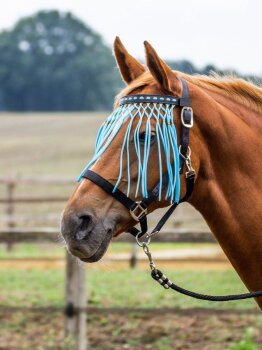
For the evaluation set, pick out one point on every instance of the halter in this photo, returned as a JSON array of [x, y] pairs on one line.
[[138, 209]]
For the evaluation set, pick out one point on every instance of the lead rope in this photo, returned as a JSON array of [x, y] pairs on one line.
[[165, 282]]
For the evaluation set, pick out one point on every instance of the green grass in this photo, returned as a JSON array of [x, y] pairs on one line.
[[123, 288], [31, 250], [246, 343]]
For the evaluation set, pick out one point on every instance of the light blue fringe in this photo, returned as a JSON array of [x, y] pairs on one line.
[[166, 138]]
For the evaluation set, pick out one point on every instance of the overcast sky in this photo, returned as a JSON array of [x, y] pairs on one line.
[[224, 32]]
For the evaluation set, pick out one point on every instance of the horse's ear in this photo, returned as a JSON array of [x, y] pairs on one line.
[[129, 67], [163, 74]]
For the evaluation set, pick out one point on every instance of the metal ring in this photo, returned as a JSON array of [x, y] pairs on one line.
[[141, 244]]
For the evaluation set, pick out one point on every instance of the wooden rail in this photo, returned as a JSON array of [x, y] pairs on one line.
[[37, 180], [49, 234], [75, 292]]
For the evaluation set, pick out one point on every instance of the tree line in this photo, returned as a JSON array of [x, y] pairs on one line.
[[52, 61]]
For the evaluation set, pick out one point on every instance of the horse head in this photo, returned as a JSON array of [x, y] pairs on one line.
[[135, 147]]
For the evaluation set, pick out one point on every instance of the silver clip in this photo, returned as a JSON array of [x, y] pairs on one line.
[[190, 169], [187, 160], [149, 255]]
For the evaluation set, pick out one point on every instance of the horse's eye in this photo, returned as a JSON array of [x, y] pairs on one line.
[[142, 137]]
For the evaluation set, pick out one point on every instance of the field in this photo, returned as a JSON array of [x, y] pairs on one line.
[[122, 310], [60, 146], [35, 144]]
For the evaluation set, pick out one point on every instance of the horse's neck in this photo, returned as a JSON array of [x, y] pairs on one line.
[[228, 188], [252, 118]]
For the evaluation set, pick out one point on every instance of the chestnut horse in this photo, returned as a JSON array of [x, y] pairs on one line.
[[226, 149]]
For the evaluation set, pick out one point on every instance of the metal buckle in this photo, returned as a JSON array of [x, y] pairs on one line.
[[185, 124], [138, 212], [190, 173]]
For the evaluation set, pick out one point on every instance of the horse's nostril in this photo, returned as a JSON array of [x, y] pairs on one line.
[[85, 221]]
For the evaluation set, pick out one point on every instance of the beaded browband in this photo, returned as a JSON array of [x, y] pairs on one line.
[[130, 99]]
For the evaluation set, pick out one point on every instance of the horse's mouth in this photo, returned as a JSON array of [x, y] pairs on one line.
[[96, 256], [83, 254]]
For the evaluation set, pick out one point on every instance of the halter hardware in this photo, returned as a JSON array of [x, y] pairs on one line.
[[187, 159], [190, 121], [139, 211]]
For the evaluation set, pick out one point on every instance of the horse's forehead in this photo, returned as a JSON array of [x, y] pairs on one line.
[[152, 88]]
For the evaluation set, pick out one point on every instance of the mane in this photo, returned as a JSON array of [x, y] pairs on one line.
[[243, 92]]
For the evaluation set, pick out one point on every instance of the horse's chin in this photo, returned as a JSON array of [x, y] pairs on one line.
[[96, 256], [89, 252]]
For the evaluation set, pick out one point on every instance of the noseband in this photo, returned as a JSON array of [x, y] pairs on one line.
[[138, 209]]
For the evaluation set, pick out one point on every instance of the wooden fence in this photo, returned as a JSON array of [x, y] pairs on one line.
[[10, 200], [75, 290]]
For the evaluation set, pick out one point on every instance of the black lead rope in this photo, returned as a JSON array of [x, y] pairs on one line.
[[165, 282]]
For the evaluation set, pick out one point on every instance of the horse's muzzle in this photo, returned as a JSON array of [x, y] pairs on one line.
[[86, 236]]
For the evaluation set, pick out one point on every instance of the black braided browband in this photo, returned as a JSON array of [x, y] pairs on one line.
[[131, 99]]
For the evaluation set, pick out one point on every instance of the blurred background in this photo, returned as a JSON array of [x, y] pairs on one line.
[[58, 80]]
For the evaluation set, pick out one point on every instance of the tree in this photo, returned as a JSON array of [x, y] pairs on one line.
[[52, 61]]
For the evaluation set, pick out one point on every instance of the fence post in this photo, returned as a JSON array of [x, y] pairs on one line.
[[10, 209], [76, 297], [133, 257]]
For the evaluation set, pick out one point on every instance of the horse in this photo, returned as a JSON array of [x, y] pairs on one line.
[[226, 148]]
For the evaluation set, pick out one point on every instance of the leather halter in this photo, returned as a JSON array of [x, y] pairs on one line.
[[138, 209]]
